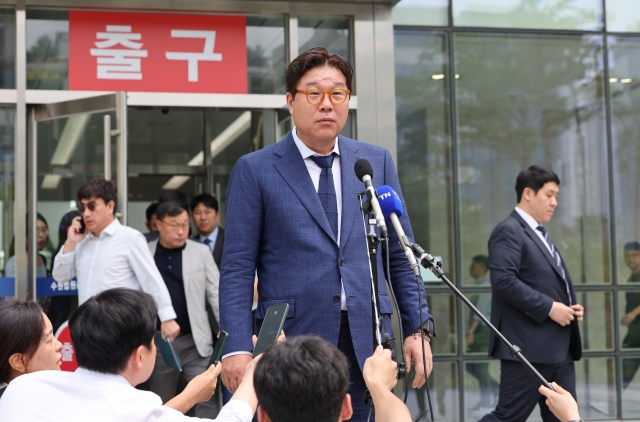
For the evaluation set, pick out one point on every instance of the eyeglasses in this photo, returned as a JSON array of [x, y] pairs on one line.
[[315, 96], [177, 227], [91, 205]]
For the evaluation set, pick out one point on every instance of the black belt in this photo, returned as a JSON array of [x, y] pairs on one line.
[[344, 318]]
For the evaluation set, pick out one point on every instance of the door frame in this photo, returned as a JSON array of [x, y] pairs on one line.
[[42, 112]]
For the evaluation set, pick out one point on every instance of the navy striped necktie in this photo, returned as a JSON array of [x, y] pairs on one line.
[[327, 191], [556, 257]]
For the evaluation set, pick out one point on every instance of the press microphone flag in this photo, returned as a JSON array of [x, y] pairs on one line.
[[391, 207]]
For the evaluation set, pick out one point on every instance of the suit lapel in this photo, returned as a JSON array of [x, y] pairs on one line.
[[185, 274], [350, 186], [543, 248], [293, 170]]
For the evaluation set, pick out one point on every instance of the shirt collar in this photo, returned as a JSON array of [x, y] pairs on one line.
[[110, 229], [111, 377], [181, 248], [212, 236], [527, 218], [305, 151]]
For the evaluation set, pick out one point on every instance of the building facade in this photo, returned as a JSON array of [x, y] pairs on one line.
[[464, 93]]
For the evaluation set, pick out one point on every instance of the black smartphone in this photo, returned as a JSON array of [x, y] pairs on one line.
[[217, 351], [271, 327], [83, 226]]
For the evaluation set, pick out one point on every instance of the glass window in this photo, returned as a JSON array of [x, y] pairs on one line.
[[476, 332], [623, 16], [624, 75], [424, 140], [629, 311], [7, 195], [443, 307], [333, 33], [443, 387], [630, 387], [596, 330], [542, 14], [481, 384], [596, 388], [421, 12], [48, 52], [522, 100], [7, 48]]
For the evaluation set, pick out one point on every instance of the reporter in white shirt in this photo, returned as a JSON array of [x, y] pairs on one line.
[[113, 337], [109, 255]]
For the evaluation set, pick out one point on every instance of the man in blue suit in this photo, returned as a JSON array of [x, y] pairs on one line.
[[293, 215], [534, 303]]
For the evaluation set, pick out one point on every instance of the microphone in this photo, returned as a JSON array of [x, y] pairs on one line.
[[391, 209], [364, 172]]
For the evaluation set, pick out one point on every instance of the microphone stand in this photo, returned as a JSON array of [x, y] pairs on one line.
[[427, 262]]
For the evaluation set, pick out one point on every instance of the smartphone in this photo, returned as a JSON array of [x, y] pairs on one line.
[[271, 327], [217, 351], [83, 226]]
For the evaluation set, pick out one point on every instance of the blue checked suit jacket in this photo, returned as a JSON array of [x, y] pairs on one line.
[[276, 224]]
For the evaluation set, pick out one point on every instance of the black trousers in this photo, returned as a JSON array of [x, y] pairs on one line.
[[357, 386], [519, 390]]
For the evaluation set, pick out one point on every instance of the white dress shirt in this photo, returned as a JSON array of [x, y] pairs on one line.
[[85, 395], [534, 226], [315, 171], [120, 257]]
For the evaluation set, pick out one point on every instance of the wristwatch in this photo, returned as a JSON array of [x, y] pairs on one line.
[[426, 330]]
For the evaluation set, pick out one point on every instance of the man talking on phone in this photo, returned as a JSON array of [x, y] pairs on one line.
[[107, 254]]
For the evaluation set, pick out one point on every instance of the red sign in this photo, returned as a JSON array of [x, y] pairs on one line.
[[157, 52], [63, 335]]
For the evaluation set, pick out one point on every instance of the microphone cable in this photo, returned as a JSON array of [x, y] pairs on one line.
[[424, 358]]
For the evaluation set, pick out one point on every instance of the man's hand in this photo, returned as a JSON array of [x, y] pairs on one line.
[[380, 370], [561, 403], [469, 339], [561, 313], [169, 328], [578, 311], [413, 352], [73, 236], [233, 369], [628, 318]]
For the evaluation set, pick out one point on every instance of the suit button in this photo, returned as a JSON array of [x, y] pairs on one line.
[[336, 298], [341, 263]]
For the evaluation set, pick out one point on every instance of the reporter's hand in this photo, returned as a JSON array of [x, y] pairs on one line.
[[170, 328], [202, 387], [561, 314], [560, 402], [380, 370]]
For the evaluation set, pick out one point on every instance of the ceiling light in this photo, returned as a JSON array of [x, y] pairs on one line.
[[73, 130], [437, 77], [613, 80], [51, 181], [626, 80], [175, 182], [230, 134], [457, 76]]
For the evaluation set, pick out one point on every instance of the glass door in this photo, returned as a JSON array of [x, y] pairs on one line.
[[71, 142]]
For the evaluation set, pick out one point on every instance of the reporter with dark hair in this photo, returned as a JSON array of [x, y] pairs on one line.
[[28, 344], [306, 379], [113, 337], [108, 254]]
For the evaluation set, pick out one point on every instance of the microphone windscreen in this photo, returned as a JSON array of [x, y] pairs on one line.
[[362, 168], [389, 201]]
